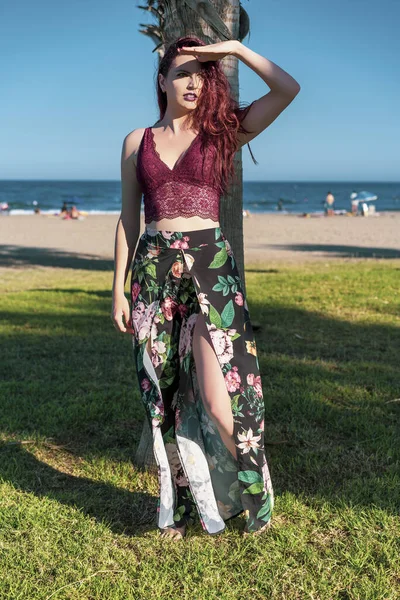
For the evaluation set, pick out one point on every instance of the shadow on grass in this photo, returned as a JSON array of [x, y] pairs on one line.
[[122, 510], [338, 250], [22, 256], [332, 426]]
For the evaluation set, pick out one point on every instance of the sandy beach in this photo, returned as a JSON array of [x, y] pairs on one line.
[[43, 240]]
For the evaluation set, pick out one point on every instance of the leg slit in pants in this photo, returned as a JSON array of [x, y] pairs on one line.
[[177, 277]]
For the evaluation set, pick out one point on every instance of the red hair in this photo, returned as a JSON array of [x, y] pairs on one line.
[[217, 117]]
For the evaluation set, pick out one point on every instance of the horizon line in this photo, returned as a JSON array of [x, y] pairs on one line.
[[244, 180]]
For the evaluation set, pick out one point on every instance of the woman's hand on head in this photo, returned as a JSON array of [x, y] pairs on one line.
[[210, 51], [120, 314]]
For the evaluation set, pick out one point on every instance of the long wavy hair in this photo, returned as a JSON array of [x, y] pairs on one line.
[[217, 116]]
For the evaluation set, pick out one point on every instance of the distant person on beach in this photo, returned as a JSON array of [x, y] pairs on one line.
[[280, 204], [328, 205], [74, 213], [354, 207], [64, 209], [4, 208]]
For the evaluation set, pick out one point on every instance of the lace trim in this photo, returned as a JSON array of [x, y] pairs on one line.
[[174, 199], [173, 215]]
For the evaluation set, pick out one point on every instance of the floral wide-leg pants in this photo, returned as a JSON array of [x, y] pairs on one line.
[[175, 275]]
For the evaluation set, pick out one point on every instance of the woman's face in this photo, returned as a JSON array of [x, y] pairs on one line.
[[184, 77]]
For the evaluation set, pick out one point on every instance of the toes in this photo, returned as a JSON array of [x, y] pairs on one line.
[[167, 533], [171, 533], [261, 530]]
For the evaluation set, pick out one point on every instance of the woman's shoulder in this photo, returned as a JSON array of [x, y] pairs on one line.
[[132, 142]]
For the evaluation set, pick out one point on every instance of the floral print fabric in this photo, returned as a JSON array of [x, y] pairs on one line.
[[175, 275]]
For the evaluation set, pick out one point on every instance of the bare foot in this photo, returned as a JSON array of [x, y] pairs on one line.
[[175, 533], [263, 528]]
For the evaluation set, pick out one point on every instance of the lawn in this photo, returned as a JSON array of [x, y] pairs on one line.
[[77, 518]]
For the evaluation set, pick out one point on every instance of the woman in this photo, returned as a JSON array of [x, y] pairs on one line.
[[194, 346]]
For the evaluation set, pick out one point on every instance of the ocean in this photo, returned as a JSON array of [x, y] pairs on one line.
[[102, 197]]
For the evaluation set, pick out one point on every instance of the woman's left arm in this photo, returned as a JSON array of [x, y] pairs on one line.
[[266, 109]]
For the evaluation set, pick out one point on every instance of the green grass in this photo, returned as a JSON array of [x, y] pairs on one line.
[[77, 519]]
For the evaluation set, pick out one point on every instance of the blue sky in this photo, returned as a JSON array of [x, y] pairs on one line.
[[78, 76]]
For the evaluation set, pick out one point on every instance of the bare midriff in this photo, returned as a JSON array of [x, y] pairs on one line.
[[183, 224]]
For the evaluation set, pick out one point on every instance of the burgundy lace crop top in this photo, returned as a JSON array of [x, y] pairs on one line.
[[186, 190]]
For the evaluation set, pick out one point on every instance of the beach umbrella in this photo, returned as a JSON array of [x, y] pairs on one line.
[[363, 196]]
